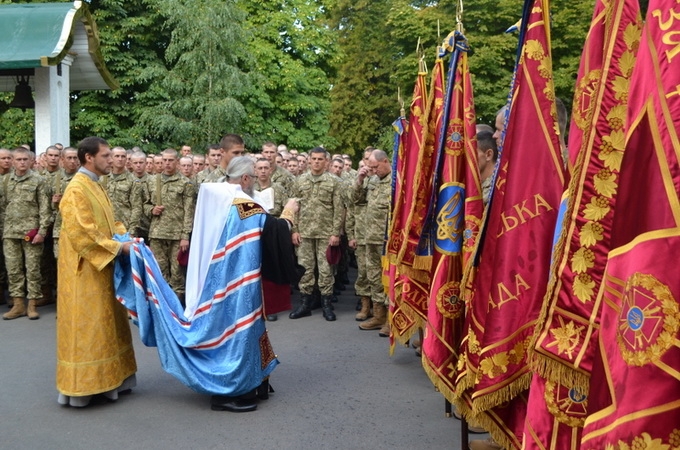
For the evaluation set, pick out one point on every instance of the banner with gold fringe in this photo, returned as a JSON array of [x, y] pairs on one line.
[[637, 372], [416, 250], [414, 259], [567, 332], [507, 287], [405, 312], [458, 209]]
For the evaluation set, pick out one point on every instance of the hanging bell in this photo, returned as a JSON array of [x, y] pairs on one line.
[[23, 97]]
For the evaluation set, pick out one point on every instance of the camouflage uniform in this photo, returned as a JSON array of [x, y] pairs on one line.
[[218, 175], [284, 178], [140, 221], [377, 194], [280, 198], [486, 190], [356, 231], [123, 190], [177, 194], [27, 207], [202, 175], [319, 218], [59, 183]]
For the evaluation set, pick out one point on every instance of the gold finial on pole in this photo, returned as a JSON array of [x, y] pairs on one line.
[[459, 16], [400, 100]]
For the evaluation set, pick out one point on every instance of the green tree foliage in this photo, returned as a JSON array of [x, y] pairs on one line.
[[194, 98], [133, 44], [292, 48], [300, 72]]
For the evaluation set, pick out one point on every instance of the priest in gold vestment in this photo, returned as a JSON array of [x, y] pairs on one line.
[[94, 342]]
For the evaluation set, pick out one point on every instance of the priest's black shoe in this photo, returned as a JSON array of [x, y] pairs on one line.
[[263, 390], [232, 404]]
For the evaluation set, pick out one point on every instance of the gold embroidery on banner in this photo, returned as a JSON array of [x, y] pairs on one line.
[[583, 99], [567, 337], [568, 406], [605, 181], [449, 302], [649, 320], [497, 364], [449, 223], [645, 442]]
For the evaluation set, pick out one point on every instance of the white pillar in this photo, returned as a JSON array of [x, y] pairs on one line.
[[52, 112]]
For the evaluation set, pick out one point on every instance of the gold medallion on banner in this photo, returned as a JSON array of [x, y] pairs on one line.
[[649, 320]]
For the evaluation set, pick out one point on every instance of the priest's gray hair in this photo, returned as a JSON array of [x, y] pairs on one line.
[[239, 166]]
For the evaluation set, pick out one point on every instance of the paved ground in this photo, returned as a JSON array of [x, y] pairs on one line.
[[336, 388]]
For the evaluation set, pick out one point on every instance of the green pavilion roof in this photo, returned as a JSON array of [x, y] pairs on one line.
[[43, 34]]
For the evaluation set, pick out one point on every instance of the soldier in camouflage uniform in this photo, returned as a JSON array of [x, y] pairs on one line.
[[487, 154], [213, 159], [123, 189], [140, 221], [27, 219], [48, 265], [319, 225], [5, 167], [186, 167], [340, 269], [263, 171], [70, 165], [355, 234], [199, 164], [279, 174], [231, 145], [171, 207], [377, 194]]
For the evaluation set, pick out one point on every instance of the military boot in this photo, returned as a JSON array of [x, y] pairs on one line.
[[365, 312], [47, 298], [327, 309], [18, 309], [31, 312], [303, 309], [378, 320]]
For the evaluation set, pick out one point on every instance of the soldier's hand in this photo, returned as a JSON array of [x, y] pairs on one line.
[[38, 239], [183, 245], [292, 204], [334, 241], [56, 198], [352, 244], [158, 210], [363, 172], [296, 239]]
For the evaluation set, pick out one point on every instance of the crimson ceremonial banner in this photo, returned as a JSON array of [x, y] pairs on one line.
[[507, 288], [409, 312], [403, 317], [458, 210], [637, 371], [567, 332]]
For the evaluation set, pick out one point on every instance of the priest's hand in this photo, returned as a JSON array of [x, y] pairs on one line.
[[38, 239], [125, 249], [183, 245], [334, 241], [352, 243], [158, 210]]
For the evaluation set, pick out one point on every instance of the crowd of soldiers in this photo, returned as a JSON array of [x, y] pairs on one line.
[[341, 221]]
